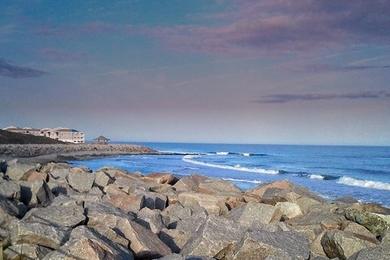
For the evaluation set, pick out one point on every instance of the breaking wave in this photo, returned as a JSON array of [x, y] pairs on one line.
[[364, 183], [190, 159]]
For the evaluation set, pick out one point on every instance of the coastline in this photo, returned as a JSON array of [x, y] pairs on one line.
[[54, 210], [44, 153]]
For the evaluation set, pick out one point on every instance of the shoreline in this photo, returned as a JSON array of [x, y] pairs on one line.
[[55, 210]]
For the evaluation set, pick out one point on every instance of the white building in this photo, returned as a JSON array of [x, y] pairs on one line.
[[61, 134]]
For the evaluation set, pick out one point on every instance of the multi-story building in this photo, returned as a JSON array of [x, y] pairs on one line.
[[61, 134]]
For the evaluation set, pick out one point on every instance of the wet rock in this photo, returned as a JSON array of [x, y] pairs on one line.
[[374, 223], [272, 245], [342, 244], [161, 178], [16, 169], [215, 238], [80, 179], [37, 234], [253, 212], [150, 219], [288, 209], [87, 244], [143, 242], [35, 193], [59, 216]]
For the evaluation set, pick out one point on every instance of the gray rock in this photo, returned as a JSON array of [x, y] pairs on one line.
[[26, 251], [153, 200], [143, 242], [36, 193], [9, 189], [360, 231], [214, 238], [59, 216], [173, 213], [342, 244], [38, 234], [213, 204], [374, 223], [102, 179], [16, 169], [80, 179], [105, 214], [93, 195], [87, 244], [254, 212], [175, 239], [289, 209], [57, 171], [272, 245], [150, 219], [10, 209]]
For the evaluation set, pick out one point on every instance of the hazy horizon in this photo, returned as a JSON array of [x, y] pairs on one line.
[[220, 71]]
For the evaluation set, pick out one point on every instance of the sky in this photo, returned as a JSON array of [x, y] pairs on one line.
[[221, 71]]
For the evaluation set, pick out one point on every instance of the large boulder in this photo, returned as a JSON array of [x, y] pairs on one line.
[[214, 204], [105, 214], [37, 234], [26, 251], [272, 245], [35, 193], [161, 178], [253, 213], [214, 238], [175, 239], [80, 179], [34, 175], [124, 201], [373, 222], [102, 179], [86, 244], [150, 219], [360, 231], [9, 189], [16, 169], [153, 200], [143, 242], [59, 216], [289, 209], [57, 171], [342, 244], [173, 213]]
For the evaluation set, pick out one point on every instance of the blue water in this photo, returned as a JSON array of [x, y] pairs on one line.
[[332, 171]]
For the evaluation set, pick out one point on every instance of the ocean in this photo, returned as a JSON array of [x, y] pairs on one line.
[[331, 171]]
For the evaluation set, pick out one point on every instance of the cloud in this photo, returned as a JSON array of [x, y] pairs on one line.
[[14, 71], [318, 68], [62, 55], [284, 26], [287, 98]]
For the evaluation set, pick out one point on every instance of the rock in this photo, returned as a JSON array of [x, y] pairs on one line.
[[143, 242], [174, 239], [9, 189], [212, 203], [189, 183], [153, 200], [86, 244], [150, 219], [306, 204], [16, 169], [213, 186], [57, 171], [9, 210], [316, 246], [253, 212], [174, 213], [80, 179], [214, 238], [63, 200], [193, 223], [288, 209], [374, 223], [360, 231], [59, 216], [261, 189], [161, 178], [128, 203], [272, 196], [102, 179], [33, 175], [26, 251], [35, 193], [38, 234], [272, 245], [94, 195], [342, 244], [104, 214], [346, 200]]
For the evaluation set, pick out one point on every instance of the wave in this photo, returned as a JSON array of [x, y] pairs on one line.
[[316, 177], [222, 153], [190, 159], [242, 180], [364, 183]]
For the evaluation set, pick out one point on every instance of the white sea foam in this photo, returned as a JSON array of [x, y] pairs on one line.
[[246, 154], [242, 180], [364, 183], [316, 177], [190, 159], [222, 153]]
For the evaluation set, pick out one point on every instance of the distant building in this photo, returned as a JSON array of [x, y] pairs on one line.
[[101, 140], [61, 134]]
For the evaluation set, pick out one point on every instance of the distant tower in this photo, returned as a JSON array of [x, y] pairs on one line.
[[101, 140]]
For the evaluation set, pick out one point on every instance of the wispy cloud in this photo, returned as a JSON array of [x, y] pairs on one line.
[[287, 98], [14, 71]]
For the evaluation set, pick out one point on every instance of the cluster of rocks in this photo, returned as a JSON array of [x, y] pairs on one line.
[[56, 211], [69, 150]]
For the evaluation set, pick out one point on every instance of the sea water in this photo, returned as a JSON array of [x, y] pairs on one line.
[[331, 171]]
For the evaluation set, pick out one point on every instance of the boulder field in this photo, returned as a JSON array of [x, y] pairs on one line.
[[56, 211]]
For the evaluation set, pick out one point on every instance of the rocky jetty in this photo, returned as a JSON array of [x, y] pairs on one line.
[[54, 211], [62, 152]]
